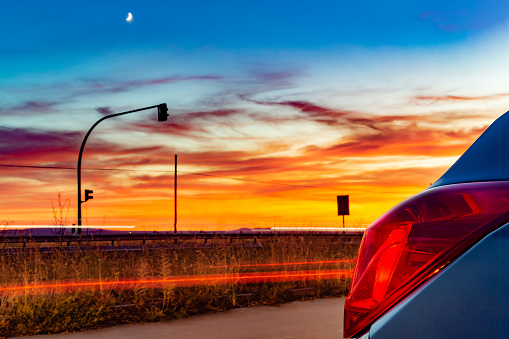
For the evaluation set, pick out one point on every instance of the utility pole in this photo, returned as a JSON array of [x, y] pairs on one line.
[[175, 197]]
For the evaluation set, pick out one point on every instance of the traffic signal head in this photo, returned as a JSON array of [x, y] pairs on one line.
[[162, 112], [88, 195]]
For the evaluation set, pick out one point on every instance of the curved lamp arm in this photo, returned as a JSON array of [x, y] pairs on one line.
[[162, 116]]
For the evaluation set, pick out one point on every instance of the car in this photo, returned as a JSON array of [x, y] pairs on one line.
[[437, 264]]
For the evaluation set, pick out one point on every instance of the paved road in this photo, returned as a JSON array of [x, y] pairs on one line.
[[315, 319]]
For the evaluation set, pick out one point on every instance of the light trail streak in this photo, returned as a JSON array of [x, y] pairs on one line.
[[179, 281], [308, 228], [289, 263], [58, 227]]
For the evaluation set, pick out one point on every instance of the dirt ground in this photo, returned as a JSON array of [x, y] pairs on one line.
[[315, 319]]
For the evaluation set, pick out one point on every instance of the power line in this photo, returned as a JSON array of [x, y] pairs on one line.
[[156, 171], [47, 167], [258, 181]]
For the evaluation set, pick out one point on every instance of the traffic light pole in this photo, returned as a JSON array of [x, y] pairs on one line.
[[175, 197], [162, 116]]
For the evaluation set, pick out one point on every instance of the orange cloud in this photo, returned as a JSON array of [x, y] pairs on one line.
[[247, 179]]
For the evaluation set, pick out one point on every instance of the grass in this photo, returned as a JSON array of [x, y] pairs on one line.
[[54, 310]]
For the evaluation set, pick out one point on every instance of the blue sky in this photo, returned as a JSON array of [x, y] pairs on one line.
[[345, 96], [58, 25]]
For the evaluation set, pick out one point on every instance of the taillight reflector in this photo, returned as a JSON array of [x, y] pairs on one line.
[[415, 239]]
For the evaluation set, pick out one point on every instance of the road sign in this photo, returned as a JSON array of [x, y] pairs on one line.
[[343, 205]]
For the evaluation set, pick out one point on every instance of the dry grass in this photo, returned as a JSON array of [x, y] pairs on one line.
[[44, 311]]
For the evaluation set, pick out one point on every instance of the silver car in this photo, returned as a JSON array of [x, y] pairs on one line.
[[437, 264]]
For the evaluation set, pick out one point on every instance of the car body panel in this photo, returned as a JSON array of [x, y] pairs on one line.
[[485, 160]]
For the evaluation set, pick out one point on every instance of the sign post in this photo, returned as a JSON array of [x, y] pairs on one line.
[[343, 207]]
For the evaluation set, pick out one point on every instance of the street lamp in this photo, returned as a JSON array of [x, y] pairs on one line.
[[162, 115]]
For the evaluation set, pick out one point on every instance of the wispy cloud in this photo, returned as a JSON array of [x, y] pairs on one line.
[[111, 86], [413, 138], [238, 145], [64, 93], [32, 107], [375, 135], [452, 98]]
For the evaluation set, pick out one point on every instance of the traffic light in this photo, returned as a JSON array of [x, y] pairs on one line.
[[88, 195], [162, 112]]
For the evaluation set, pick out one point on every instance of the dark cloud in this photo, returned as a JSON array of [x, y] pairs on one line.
[[319, 114], [41, 147], [25, 144], [37, 106], [314, 112], [32, 107], [337, 117], [104, 110], [192, 124]]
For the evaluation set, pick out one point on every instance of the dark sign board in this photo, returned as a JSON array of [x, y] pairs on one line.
[[343, 206]]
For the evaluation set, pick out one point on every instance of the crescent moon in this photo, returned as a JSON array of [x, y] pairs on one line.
[[129, 17]]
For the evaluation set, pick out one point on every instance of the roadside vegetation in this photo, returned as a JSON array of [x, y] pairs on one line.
[[29, 310]]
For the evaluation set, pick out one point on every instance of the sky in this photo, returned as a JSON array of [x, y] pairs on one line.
[[275, 107]]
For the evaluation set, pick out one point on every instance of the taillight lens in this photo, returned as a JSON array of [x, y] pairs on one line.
[[415, 239]]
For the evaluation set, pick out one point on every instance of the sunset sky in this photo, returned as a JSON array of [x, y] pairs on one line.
[[276, 107]]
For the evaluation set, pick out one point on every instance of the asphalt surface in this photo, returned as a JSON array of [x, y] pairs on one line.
[[315, 319]]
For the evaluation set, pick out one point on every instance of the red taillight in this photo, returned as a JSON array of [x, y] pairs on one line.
[[415, 239]]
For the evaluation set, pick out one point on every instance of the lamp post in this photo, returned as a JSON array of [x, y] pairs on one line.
[[162, 115]]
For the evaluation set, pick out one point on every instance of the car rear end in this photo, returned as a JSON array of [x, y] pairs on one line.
[[436, 264]]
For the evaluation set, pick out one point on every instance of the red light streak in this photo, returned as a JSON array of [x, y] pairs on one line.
[[289, 263], [180, 281]]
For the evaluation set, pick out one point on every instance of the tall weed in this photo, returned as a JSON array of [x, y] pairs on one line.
[[54, 311]]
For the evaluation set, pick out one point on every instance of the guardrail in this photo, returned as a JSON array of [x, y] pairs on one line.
[[159, 239]]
